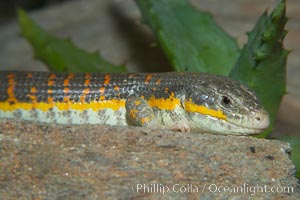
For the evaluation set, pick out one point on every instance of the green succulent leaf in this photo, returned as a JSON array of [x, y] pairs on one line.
[[191, 39], [262, 63], [61, 55], [295, 145]]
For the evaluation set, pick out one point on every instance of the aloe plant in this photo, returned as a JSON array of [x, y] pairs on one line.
[[61, 55], [191, 39], [262, 63]]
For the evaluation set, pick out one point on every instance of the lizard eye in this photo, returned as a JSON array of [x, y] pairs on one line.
[[225, 101]]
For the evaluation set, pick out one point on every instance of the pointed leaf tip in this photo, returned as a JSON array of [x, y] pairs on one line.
[[279, 11], [262, 63]]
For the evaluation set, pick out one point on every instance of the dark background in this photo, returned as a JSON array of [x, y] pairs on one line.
[[8, 8]]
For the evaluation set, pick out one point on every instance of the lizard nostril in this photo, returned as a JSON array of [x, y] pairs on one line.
[[261, 120]]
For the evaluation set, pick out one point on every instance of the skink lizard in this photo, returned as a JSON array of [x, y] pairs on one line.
[[197, 102]]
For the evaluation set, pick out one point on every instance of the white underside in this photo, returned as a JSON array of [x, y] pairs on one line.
[[170, 120], [107, 116], [56, 116]]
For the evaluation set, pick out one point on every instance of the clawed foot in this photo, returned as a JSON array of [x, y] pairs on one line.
[[181, 128]]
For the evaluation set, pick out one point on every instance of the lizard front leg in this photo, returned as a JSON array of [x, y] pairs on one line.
[[140, 113]]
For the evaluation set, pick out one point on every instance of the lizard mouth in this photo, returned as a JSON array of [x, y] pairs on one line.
[[251, 125], [234, 129]]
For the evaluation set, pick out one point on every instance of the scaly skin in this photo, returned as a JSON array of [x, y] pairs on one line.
[[178, 101]]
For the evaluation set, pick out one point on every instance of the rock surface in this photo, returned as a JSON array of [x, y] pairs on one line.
[[102, 162]]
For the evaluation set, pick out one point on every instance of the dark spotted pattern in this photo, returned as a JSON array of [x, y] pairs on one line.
[[89, 87], [201, 88]]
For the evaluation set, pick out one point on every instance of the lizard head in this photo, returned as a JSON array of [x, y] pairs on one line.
[[219, 104]]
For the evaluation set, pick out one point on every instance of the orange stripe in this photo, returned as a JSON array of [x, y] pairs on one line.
[[148, 78], [50, 100], [71, 75], [49, 91], [67, 80], [116, 88], [87, 79], [102, 98], [158, 82], [32, 97], [50, 83], [87, 82], [50, 80], [11, 86], [102, 91], [131, 75], [52, 76], [169, 103], [66, 99], [66, 90], [192, 107], [106, 79], [29, 75], [11, 76], [114, 104], [33, 90], [84, 93]]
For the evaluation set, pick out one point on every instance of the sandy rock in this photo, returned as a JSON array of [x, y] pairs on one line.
[[103, 162]]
